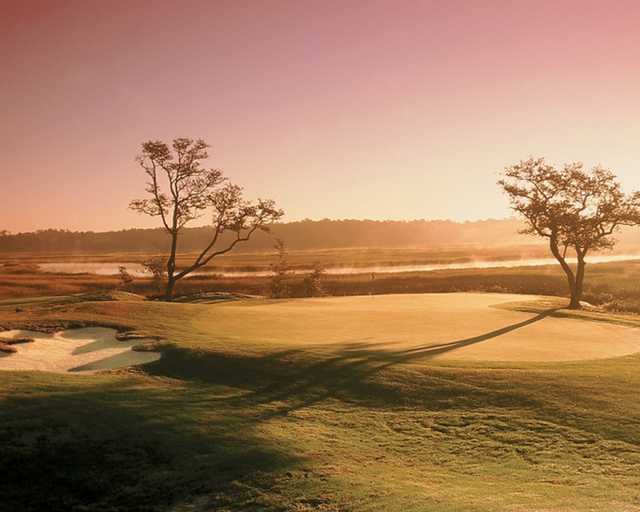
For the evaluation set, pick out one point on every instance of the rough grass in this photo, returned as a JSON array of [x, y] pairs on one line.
[[614, 286], [251, 426], [346, 256]]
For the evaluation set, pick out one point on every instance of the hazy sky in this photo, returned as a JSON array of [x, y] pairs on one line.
[[333, 108]]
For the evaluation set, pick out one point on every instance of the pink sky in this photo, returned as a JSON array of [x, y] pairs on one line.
[[333, 108]]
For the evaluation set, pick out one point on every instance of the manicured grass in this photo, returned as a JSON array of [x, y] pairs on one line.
[[230, 420]]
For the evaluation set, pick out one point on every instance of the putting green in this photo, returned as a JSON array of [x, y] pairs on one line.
[[457, 326]]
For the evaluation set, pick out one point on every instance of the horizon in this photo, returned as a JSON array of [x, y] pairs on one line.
[[327, 219], [341, 111]]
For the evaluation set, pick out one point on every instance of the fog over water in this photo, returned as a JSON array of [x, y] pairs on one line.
[[137, 270]]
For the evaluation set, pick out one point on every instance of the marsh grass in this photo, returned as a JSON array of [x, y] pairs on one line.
[[614, 286]]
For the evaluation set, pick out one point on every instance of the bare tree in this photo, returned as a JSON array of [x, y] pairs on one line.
[[180, 190], [576, 209]]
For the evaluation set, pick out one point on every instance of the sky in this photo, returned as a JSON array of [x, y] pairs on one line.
[[335, 109]]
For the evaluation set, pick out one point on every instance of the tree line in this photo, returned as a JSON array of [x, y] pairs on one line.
[[299, 235]]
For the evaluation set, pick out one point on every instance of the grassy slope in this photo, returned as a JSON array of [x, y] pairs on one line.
[[254, 426]]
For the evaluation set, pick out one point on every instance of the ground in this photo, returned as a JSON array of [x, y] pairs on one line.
[[332, 404]]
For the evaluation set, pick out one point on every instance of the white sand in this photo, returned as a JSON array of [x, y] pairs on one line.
[[74, 350]]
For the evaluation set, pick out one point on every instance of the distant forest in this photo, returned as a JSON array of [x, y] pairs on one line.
[[306, 234]]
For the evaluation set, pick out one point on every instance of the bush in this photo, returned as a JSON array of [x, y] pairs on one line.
[[157, 267], [278, 284], [125, 278], [312, 283]]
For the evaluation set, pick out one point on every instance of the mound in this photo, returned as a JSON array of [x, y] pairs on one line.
[[117, 295], [457, 326]]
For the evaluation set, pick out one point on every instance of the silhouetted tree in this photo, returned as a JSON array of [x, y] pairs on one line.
[[313, 282], [574, 208], [278, 286], [156, 266], [125, 277], [182, 190]]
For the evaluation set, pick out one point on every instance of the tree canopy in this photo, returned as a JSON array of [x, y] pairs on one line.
[[576, 209], [180, 189]]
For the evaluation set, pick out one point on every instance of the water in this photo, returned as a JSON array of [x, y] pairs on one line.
[[137, 270], [100, 269]]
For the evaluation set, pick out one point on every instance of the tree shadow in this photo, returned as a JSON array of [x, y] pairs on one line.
[[116, 445], [100, 344], [427, 351], [287, 381], [145, 444], [121, 360]]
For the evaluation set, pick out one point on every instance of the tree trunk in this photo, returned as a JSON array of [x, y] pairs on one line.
[[171, 265], [168, 294], [576, 295], [575, 300], [571, 277]]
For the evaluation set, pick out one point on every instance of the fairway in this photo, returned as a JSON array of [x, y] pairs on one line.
[[456, 326], [357, 403]]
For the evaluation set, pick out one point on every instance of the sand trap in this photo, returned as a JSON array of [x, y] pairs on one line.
[[412, 327], [75, 350]]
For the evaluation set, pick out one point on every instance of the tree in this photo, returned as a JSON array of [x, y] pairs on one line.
[[125, 278], [181, 190], [312, 282], [155, 266], [278, 287], [574, 208]]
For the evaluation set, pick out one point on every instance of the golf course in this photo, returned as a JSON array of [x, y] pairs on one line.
[[310, 256], [398, 402]]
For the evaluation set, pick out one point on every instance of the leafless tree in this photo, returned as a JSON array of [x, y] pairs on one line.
[[181, 189], [576, 209]]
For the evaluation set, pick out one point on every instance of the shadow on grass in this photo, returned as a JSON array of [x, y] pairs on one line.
[[287, 381], [126, 446]]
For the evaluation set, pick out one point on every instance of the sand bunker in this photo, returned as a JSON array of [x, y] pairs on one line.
[[75, 350]]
